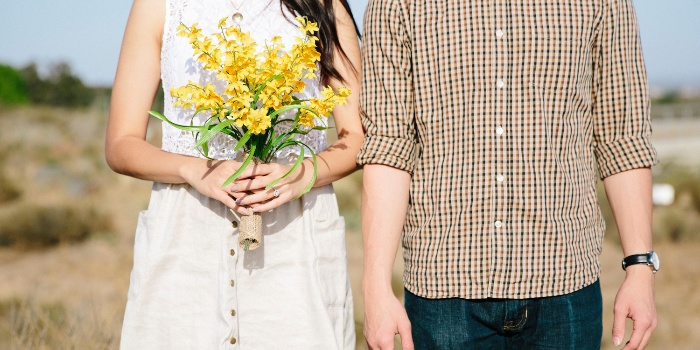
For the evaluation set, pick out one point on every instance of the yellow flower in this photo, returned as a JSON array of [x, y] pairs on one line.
[[257, 121], [222, 23], [306, 118], [308, 27], [344, 92]]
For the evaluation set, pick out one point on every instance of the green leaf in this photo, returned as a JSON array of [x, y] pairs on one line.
[[241, 169], [280, 121], [268, 145], [313, 176], [213, 130], [205, 145], [296, 165], [292, 107], [243, 141], [284, 144], [160, 116]]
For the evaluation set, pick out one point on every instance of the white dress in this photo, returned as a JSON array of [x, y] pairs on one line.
[[191, 286]]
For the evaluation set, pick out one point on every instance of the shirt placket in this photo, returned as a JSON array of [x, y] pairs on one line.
[[500, 86]]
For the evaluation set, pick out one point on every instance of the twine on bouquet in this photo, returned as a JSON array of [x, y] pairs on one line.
[[250, 231]]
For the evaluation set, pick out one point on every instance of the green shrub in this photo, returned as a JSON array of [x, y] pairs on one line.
[[13, 90]]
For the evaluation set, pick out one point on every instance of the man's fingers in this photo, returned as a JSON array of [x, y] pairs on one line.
[[406, 337], [386, 344], [635, 340], [646, 338], [379, 340], [641, 329], [618, 330]]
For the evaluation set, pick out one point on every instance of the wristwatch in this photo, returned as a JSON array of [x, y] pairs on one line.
[[649, 258]]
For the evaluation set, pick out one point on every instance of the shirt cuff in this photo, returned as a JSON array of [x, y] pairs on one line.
[[395, 152], [622, 155]]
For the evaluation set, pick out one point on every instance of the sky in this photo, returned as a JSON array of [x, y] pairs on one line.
[[87, 34]]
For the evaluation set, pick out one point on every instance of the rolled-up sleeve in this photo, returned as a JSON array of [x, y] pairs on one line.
[[622, 127], [386, 97]]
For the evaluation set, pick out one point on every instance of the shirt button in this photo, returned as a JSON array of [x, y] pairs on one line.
[[233, 283], [500, 83], [499, 33], [500, 178], [233, 312], [233, 340], [232, 252], [498, 223], [499, 130], [234, 224]]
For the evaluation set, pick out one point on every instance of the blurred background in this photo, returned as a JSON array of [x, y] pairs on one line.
[[67, 221]]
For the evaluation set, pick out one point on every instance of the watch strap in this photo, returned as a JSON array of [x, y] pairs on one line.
[[635, 259]]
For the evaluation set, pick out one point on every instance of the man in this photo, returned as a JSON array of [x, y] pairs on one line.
[[488, 126]]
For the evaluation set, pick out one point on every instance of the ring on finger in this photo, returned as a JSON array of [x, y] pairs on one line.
[[276, 193]]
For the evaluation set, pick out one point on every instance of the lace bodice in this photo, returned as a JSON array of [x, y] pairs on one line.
[[263, 19]]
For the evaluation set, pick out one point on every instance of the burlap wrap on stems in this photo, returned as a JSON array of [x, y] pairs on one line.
[[250, 229]]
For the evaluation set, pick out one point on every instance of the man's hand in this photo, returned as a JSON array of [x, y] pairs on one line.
[[635, 300], [384, 318]]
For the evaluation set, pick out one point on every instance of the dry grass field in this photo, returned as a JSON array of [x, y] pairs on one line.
[[66, 287]]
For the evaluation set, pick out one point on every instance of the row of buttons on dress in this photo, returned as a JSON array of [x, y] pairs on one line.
[[234, 224]]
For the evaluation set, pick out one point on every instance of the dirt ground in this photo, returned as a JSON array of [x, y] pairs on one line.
[[92, 278]]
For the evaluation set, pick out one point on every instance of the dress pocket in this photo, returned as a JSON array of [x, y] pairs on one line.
[[141, 243], [331, 263]]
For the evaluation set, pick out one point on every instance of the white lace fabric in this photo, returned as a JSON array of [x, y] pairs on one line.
[[263, 20]]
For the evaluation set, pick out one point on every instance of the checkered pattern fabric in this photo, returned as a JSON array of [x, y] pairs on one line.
[[505, 113]]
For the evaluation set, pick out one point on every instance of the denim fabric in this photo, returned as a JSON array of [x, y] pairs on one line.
[[571, 321]]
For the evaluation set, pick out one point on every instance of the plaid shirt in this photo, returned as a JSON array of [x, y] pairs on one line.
[[505, 113]]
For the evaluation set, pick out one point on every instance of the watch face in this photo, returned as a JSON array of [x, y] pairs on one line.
[[654, 260]]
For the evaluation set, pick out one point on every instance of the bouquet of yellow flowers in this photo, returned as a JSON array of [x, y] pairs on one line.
[[256, 88]]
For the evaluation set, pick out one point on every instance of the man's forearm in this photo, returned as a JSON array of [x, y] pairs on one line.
[[384, 206], [629, 194]]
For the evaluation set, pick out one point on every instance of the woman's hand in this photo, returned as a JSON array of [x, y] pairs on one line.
[[249, 189], [207, 176]]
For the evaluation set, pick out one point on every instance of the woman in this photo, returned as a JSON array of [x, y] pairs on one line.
[[192, 287]]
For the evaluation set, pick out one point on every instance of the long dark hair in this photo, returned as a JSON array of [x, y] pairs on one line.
[[328, 42]]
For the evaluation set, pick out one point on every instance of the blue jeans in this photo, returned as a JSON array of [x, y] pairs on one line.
[[571, 321]]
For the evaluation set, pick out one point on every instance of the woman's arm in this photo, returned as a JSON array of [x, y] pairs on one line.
[[135, 85], [338, 160]]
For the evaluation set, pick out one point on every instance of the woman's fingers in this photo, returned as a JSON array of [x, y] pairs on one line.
[[262, 176], [258, 197], [230, 202]]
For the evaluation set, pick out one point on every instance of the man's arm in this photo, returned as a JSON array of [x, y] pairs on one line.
[[629, 194], [621, 132], [384, 206], [388, 154]]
